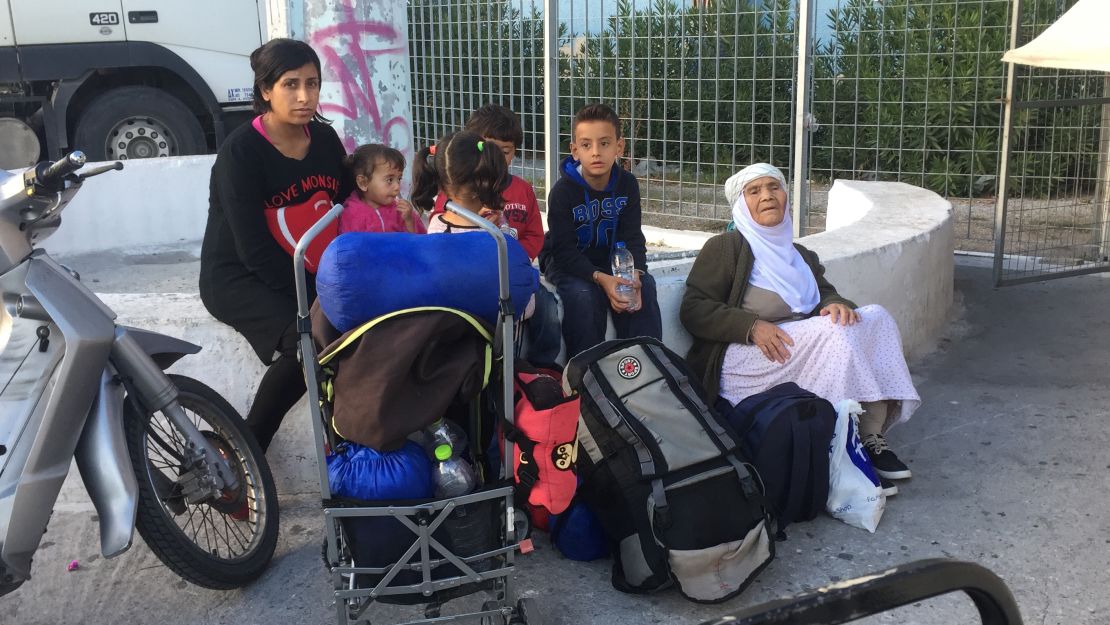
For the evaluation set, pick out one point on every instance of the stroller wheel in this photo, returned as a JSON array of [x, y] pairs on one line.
[[492, 620], [522, 524], [527, 613]]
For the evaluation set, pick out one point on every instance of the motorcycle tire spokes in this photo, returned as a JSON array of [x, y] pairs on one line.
[[222, 542], [204, 528]]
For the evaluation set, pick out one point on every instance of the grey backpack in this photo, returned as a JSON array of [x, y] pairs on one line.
[[664, 475]]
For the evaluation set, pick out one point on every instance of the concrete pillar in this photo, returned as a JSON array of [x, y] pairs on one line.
[[367, 89]]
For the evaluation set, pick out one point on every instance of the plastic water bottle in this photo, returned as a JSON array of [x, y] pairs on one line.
[[503, 223], [452, 474], [624, 266], [444, 432]]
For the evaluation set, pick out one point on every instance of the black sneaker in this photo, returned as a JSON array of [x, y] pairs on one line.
[[890, 489], [886, 463]]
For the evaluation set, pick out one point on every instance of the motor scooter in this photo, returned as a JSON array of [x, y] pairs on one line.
[[159, 452]]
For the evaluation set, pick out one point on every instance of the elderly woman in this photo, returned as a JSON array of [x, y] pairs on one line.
[[762, 313]]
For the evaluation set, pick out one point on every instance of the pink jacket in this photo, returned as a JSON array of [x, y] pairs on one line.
[[358, 216]]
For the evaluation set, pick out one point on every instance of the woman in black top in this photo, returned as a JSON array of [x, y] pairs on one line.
[[272, 179]]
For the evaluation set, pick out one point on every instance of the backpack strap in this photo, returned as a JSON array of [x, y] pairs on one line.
[[799, 475], [528, 473], [662, 508]]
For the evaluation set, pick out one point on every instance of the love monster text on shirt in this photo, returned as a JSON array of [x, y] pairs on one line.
[[307, 186]]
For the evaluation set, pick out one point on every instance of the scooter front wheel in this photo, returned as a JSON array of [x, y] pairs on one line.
[[222, 543]]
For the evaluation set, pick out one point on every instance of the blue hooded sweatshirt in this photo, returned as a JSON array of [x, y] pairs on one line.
[[584, 223]]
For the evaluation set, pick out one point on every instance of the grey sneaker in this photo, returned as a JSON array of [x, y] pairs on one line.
[[886, 463]]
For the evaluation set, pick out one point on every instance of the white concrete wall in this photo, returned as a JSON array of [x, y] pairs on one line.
[[891, 243], [150, 203]]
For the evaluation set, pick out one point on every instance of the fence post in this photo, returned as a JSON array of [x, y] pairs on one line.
[[1102, 177], [1004, 157], [800, 170], [550, 94]]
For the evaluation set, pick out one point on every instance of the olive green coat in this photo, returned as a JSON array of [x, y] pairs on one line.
[[711, 309]]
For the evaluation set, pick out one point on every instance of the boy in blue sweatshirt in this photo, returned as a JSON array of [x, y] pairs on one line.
[[593, 206]]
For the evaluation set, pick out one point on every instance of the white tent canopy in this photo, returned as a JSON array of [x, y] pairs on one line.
[[1078, 40]]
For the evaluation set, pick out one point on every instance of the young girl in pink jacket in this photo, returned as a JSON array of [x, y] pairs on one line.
[[375, 205]]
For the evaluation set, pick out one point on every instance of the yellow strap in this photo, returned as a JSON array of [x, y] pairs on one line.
[[364, 328], [488, 366], [338, 433]]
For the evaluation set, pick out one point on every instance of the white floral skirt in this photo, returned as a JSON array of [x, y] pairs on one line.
[[863, 362]]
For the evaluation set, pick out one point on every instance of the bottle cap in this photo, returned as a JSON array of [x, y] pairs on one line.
[[442, 452], [619, 244]]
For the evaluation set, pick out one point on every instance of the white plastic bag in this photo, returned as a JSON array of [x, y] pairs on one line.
[[855, 495]]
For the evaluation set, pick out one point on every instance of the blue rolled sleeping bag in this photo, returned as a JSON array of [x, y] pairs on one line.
[[364, 275], [363, 473]]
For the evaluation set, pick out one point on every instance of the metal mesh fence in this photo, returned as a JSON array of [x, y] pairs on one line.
[[1057, 207], [910, 91], [703, 89], [906, 90], [467, 53]]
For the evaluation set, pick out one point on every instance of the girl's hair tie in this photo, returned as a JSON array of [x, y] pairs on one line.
[[481, 145], [431, 150]]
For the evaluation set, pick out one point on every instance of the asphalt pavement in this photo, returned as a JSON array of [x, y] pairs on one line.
[[1010, 453]]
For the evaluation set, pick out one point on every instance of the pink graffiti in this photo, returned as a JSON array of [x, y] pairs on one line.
[[340, 44]]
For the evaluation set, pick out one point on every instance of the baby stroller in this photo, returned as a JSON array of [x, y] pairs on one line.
[[425, 551]]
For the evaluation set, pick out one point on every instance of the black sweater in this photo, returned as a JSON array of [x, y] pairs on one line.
[[246, 277], [584, 223]]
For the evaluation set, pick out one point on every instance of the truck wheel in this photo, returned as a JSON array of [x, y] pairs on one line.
[[137, 122]]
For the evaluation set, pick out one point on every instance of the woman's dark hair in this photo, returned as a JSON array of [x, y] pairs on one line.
[[460, 159], [273, 59], [364, 159], [498, 122]]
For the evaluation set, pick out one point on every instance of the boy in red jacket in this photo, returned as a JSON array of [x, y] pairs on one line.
[[500, 126]]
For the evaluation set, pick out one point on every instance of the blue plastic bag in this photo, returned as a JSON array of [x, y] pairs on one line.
[[577, 533], [363, 473]]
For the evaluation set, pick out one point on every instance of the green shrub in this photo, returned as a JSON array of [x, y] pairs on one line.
[[906, 90]]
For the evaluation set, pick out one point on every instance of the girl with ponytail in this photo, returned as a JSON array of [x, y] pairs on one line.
[[465, 171]]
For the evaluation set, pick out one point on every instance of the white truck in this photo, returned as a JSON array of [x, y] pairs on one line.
[[124, 79]]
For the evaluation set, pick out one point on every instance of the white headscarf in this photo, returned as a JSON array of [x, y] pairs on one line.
[[778, 265]]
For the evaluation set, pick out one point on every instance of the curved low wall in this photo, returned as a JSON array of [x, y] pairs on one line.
[[888, 243], [891, 243]]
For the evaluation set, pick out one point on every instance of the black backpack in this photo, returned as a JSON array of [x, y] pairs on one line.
[[664, 475], [786, 431]]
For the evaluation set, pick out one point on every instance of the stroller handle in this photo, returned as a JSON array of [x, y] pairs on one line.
[[502, 248], [503, 343], [298, 257]]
